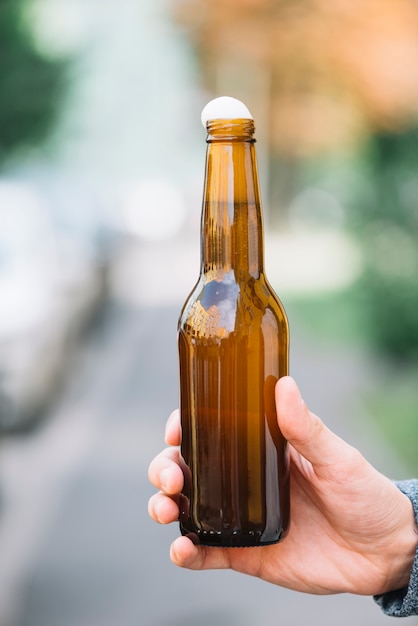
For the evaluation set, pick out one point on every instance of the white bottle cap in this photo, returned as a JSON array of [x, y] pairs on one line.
[[225, 108]]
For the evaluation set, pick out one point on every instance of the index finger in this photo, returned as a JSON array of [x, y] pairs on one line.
[[173, 429]]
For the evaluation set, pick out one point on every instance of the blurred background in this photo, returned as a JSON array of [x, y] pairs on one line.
[[101, 171]]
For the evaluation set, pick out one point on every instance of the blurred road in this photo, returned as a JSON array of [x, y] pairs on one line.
[[76, 545]]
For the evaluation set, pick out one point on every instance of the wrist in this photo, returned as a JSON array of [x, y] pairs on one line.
[[403, 549]]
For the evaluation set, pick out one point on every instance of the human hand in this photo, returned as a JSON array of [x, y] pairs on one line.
[[352, 530]]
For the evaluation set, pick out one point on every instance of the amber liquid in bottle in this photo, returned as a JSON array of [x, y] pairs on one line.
[[233, 347]]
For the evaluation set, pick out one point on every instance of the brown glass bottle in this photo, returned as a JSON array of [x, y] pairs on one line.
[[233, 347]]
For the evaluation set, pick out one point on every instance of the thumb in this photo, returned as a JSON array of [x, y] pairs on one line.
[[304, 430]]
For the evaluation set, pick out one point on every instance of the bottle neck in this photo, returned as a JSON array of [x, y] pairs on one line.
[[232, 234]]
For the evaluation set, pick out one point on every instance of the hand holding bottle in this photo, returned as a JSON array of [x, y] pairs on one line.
[[352, 530]]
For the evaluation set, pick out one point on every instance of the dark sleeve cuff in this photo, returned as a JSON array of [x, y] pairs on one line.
[[404, 602]]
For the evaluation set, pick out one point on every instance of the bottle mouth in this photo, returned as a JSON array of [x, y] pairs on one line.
[[240, 129]]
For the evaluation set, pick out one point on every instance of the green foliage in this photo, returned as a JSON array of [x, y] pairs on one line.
[[30, 84], [393, 404], [389, 396], [386, 225], [378, 188], [391, 314]]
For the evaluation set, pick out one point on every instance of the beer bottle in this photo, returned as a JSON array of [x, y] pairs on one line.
[[233, 347]]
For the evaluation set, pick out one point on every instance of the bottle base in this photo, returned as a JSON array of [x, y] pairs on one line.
[[231, 539]]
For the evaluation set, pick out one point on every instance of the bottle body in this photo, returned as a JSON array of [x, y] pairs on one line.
[[237, 489], [233, 347]]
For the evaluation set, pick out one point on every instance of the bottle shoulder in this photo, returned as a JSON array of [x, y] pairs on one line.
[[230, 304]]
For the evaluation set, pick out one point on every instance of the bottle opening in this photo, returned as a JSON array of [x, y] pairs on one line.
[[230, 130]]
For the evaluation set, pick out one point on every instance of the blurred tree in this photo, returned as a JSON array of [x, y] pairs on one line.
[[322, 73], [31, 84], [386, 224], [319, 77]]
